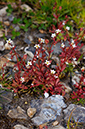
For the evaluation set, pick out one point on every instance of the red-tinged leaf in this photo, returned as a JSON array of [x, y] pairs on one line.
[[51, 82], [25, 57], [63, 67], [56, 16], [39, 73], [37, 65], [57, 81]]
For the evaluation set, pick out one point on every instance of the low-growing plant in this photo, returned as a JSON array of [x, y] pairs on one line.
[[37, 75], [15, 34]]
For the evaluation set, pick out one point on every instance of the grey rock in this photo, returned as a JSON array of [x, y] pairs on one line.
[[5, 96], [18, 126], [18, 113], [39, 35], [78, 113], [3, 11], [27, 41], [17, 28], [56, 49], [31, 49], [11, 17], [50, 109]]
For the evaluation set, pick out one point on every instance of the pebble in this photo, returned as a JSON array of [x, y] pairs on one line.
[[7, 23], [17, 113], [3, 11], [18, 126], [55, 123], [31, 112], [26, 7]]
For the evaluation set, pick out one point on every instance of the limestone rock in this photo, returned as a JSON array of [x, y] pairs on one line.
[[57, 127], [18, 126], [6, 23], [2, 46], [3, 11], [26, 7], [50, 109], [78, 113], [4, 60], [55, 123], [31, 112], [18, 113]]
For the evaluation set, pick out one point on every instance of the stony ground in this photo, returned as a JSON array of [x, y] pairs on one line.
[[30, 111]]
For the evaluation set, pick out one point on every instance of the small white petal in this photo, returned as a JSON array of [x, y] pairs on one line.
[[37, 46], [67, 28], [62, 45], [46, 95], [73, 45], [58, 31], [22, 79], [53, 71], [53, 35], [47, 62]]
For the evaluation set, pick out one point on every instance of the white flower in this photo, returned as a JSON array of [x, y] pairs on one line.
[[37, 46], [53, 35], [29, 63], [9, 44], [74, 59], [72, 41], [73, 45], [9, 41], [62, 45], [75, 62], [55, 76], [83, 68], [74, 82], [22, 79], [84, 80], [42, 40], [67, 63], [47, 62], [53, 71], [46, 95], [83, 57], [58, 31], [67, 28], [63, 23]]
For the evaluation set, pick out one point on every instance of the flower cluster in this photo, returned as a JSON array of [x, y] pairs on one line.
[[37, 73]]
